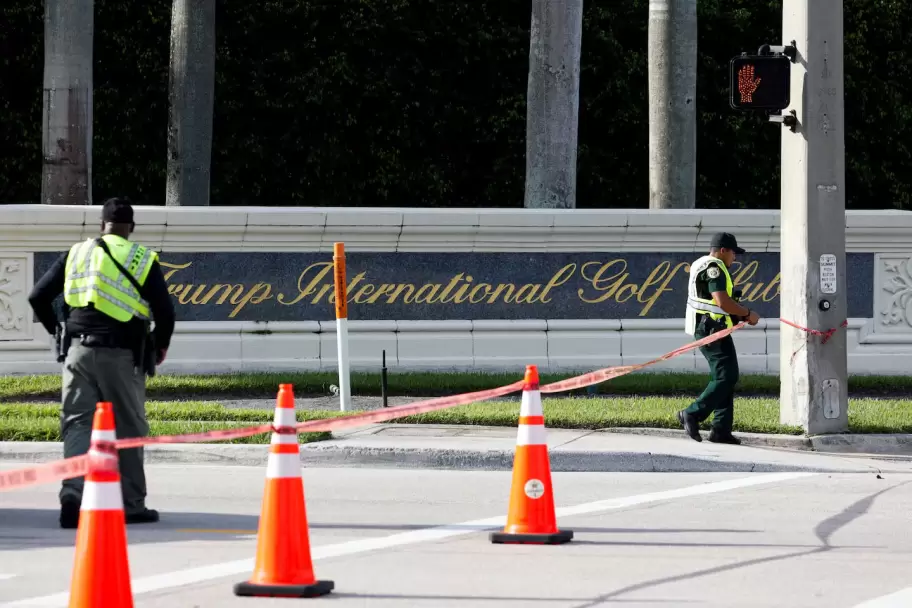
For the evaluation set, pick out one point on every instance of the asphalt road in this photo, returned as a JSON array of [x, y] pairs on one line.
[[641, 539]]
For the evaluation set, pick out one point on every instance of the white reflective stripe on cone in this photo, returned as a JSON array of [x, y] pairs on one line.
[[98, 454], [289, 438], [283, 466], [102, 496], [531, 404], [284, 417], [531, 434], [103, 436]]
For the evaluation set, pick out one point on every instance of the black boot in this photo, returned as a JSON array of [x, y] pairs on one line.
[[146, 516], [723, 437], [69, 513], [690, 424]]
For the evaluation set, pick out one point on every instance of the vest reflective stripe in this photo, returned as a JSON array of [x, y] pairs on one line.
[[92, 278], [697, 305], [703, 306]]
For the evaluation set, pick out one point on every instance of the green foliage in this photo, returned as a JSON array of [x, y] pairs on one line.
[[422, 103]]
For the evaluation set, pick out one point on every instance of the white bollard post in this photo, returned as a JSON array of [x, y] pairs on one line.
[[341, 325]]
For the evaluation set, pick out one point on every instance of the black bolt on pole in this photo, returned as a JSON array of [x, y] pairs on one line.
[[383, 386]]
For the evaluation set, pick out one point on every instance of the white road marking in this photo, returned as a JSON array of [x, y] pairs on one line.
[[900, 599], [6, 577], [245, 566]]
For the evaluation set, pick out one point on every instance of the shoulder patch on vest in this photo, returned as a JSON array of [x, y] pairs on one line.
[[713, 272]]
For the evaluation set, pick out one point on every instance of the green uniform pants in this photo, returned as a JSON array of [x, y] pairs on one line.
[[90, 375], [719, 396]]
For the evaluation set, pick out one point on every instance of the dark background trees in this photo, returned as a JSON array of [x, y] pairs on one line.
[[422, 103]]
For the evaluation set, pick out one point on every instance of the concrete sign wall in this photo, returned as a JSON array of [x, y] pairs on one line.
[[454, 289]]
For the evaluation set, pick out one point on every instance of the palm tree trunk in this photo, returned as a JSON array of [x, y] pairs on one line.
[[672, 104], [552, 114], [192, 88], [66, 168]]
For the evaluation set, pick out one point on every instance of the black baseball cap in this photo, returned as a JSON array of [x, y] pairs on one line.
[[725, 240], [117, 211]]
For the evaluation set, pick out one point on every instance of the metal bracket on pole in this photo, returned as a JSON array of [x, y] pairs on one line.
[[790, 51], [789, 120]]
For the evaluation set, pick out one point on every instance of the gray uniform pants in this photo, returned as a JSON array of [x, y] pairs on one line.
[[90, 375]]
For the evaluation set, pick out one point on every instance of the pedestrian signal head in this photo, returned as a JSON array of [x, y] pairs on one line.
[[760, 82]]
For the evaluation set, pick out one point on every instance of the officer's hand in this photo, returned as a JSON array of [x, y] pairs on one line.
[[753, 318], [161, 356]]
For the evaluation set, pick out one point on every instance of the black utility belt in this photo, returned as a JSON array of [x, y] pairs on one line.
[[103, 341], [711, 323]]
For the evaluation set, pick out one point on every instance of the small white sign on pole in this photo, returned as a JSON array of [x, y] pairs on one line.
[[828, 273]]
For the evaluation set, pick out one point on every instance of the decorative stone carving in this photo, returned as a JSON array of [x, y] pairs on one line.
[[893, 293], [15, 283]]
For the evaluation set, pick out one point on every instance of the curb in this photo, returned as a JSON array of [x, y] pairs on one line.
[[789, 442], [334, 453], [561, 461], [869, 444], [892, 444]]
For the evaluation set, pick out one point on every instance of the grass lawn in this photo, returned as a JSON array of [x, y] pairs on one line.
[[427, 384], [31, 422]]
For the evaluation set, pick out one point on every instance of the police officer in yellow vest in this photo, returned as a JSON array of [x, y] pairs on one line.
[[113, 289], [711, 307]]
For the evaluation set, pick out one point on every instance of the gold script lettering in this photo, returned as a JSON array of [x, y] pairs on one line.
[[600, 281], [321, 269], [253, 296], [560, 277], [607, 285], [662, 273]]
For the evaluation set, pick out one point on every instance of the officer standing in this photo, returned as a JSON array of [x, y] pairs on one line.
[[107, 345], [712, 307]]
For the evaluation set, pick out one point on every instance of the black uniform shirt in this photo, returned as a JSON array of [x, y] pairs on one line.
[[707, 283], [88, 320]]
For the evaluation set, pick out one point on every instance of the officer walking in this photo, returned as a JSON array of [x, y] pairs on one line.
[[113, 289], [712, 307]]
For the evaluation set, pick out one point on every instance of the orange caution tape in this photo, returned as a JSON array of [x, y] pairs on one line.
[[57, 470], [78, 466], [826, 335], [330, 424], [613, 372]]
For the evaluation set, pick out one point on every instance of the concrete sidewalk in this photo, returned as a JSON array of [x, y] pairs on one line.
[[492, 448]]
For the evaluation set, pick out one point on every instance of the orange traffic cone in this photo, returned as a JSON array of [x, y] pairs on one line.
[[283, 564], [101, 573], [530, 518]]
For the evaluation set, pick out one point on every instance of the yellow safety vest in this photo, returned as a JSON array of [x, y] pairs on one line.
[[91, 277], [696, 304]]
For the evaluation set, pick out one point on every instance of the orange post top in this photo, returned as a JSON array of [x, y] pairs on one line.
[[531, 379], [339, 281], [104, 416]]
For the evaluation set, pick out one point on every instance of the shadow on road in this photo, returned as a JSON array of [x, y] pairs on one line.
[[39, 528], [577, 530], [824, 531], [488, 598]]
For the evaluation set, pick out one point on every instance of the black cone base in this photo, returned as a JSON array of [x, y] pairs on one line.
[[254, 590], [558, 538]]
